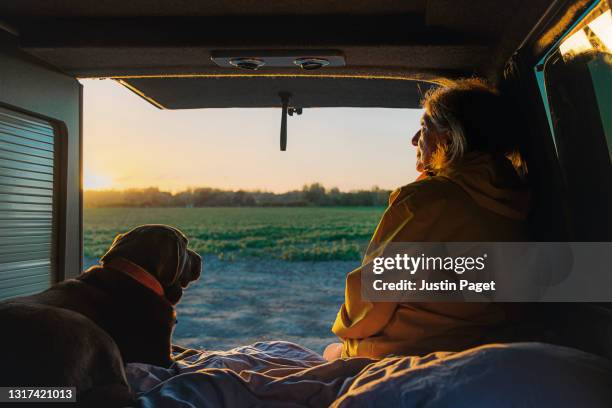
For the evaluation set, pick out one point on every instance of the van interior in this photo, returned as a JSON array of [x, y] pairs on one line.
[[550, 59]]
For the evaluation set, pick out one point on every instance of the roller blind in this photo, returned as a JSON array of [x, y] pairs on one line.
[[27, 210]]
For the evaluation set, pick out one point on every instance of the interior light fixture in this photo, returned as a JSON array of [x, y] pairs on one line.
[[309, 64], [251, 64]]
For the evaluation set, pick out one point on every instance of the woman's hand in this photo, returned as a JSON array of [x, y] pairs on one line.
[[333, 351]]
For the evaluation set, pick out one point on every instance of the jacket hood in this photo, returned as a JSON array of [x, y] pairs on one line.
[[492, 182]]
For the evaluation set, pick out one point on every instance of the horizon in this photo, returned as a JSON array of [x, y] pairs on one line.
[[128, 143], [193, 188]]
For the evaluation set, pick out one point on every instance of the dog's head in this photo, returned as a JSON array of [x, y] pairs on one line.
[[162, 251]]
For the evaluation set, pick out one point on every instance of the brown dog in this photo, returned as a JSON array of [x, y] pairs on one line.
[[122, 309]]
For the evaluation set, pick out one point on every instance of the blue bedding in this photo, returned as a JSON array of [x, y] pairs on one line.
[[282, 374]]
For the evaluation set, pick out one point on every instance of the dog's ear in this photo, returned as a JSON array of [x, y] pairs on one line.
[[172, 262]]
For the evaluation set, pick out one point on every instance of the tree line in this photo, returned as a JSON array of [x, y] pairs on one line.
[[310, 195]]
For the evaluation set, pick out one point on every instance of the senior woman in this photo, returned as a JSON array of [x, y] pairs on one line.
[[468, 191]]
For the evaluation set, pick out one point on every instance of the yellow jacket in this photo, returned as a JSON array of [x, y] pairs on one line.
[[483, 200]]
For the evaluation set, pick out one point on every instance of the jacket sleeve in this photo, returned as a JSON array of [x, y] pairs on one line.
[[411, 212]]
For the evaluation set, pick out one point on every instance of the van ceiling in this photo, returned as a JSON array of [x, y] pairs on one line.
[[423, 40]]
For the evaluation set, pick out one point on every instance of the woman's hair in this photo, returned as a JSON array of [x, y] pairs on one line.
[[474, 116]]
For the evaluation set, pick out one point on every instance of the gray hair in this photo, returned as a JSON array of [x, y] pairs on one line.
[[472, 113]]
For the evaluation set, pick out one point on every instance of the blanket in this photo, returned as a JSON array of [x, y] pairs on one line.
[[283, 374]]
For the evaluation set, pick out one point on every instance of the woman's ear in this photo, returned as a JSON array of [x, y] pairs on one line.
[[445, 137]]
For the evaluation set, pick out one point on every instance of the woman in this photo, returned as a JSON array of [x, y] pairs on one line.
[[469, 191]]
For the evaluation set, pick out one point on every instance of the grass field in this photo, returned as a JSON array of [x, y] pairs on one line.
[[291, 234], [269, 273]]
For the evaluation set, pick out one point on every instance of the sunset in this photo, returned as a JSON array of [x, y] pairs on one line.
[[130, 143], [96, 181]]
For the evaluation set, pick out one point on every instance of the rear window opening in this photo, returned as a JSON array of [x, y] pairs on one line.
[[278, 231]]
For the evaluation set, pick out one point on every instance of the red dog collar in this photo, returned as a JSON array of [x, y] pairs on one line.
[[137, 273]]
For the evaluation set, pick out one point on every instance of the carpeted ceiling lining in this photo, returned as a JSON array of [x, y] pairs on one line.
[[138, 8], [418, 39]]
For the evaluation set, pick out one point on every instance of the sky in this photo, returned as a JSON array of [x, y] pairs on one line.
[[130, 143]]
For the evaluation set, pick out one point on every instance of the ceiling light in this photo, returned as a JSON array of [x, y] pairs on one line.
[[311, 63], [252, 64]]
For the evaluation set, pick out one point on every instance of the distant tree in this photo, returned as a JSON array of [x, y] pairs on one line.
[[314, 193], [334, 196], [185, 198]]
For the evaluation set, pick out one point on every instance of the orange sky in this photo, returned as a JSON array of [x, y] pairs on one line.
[[129, 143]]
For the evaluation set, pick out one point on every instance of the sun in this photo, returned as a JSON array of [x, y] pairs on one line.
[[96, 181]]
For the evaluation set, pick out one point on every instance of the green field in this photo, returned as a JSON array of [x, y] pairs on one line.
[[286, 277], [286, 233]]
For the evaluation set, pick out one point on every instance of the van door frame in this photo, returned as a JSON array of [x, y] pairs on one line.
[[550, 221]]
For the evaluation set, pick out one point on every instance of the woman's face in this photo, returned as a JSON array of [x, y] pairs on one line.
[[427, 140]]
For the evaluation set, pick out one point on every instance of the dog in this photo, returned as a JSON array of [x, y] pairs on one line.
[[81, 331]]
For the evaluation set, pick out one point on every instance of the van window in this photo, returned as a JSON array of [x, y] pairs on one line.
[[28, 208]]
